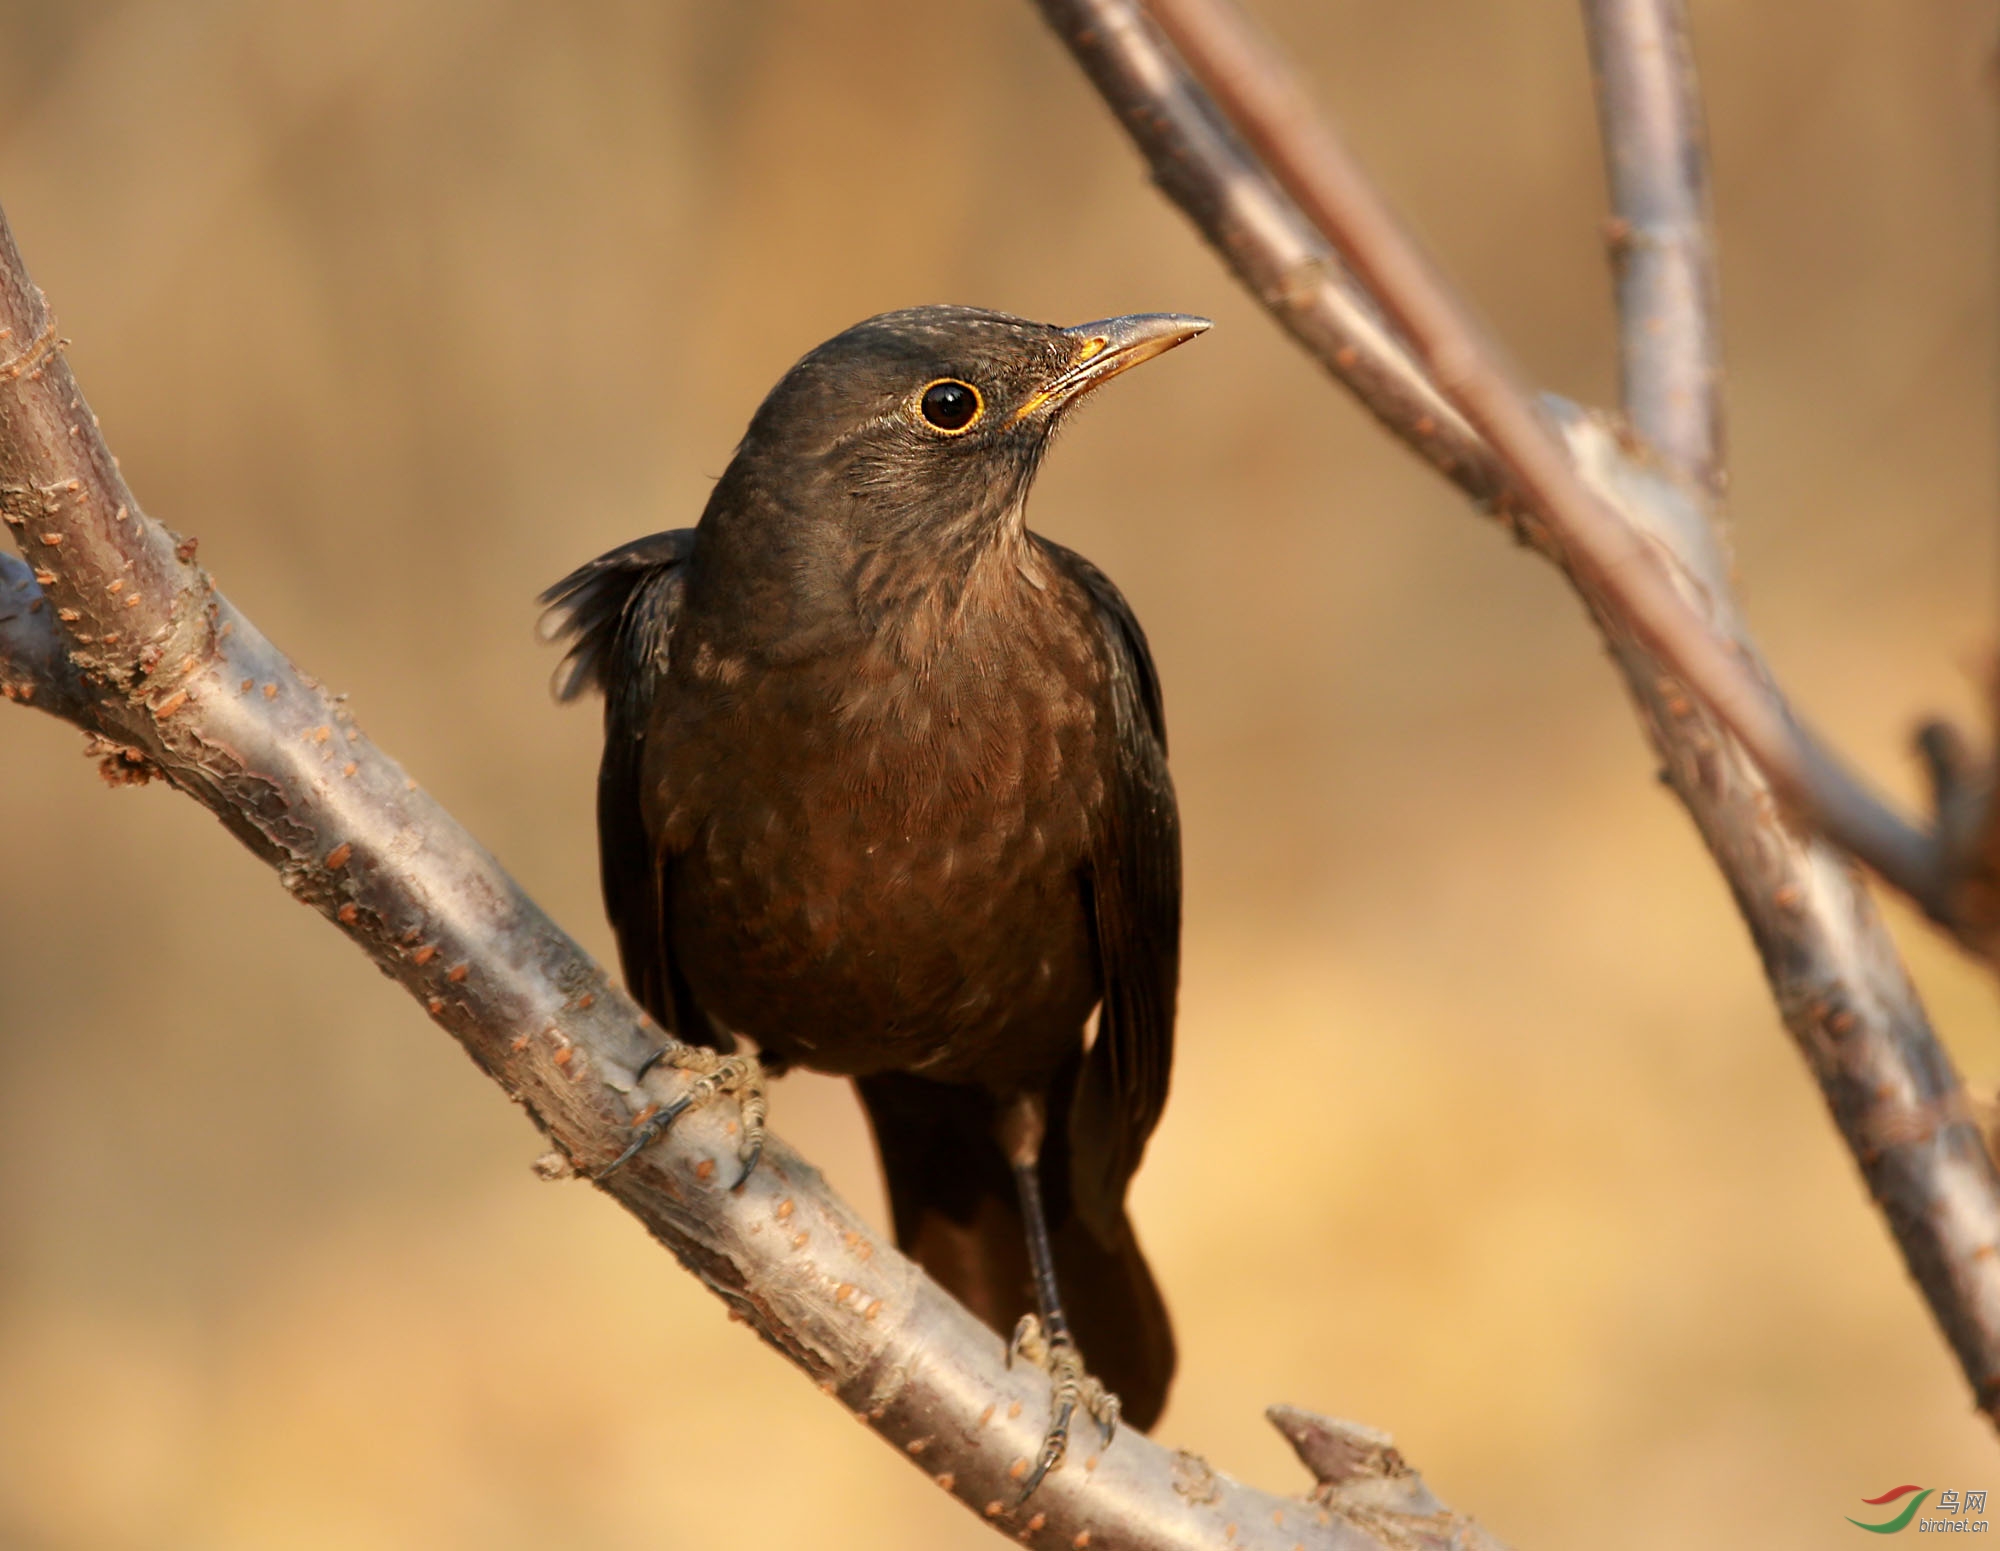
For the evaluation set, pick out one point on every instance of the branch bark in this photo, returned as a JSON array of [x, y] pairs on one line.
[[34, 669], [1661, 232], [1636, 540], [118, 630]]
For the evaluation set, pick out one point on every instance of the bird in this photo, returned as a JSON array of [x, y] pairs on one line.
[[884, 791]]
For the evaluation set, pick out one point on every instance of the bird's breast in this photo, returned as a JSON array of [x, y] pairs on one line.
[[878, 864]]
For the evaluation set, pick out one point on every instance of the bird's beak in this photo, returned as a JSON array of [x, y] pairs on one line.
[[1110, 346]]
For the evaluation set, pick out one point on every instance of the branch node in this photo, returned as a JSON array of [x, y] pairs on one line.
[[1363, 1478], [553, 1166], [31, 360], [1337, 1452], [1194, 1479], [118, 763], [1966, 896]]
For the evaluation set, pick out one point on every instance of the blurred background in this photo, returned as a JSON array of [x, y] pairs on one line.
[[1484, 1131]]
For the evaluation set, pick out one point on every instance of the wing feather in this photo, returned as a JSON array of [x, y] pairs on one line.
[[618, 613], [1134, 885]]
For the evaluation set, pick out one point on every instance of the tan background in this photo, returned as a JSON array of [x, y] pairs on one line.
[[1484, 1128]]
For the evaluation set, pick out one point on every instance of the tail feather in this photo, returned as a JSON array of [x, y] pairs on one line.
[[956, 1213]]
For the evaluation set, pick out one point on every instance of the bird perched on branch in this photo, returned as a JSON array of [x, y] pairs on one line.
[[885, 790]]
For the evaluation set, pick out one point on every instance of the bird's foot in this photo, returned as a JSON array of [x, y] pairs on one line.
[[1071, 1390], [714, 1074]]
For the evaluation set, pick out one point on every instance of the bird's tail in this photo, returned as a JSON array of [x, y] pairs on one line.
[[957, 1214]]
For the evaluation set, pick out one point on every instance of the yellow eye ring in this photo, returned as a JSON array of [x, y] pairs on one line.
[[950, 407]]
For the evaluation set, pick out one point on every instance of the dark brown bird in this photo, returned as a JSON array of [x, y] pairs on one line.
[[885, 790]]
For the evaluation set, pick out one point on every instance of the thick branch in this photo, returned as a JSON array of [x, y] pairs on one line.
[[1833, 971], [133, 643]]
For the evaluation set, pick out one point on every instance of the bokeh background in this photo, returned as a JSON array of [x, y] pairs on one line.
[[1484, 1128]]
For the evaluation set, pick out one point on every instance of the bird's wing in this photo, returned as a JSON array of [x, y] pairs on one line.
[[1134, 884], [618, 614]]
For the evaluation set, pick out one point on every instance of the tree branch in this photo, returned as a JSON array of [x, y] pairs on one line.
[[1201, 164], [1604, 555], [1649, 107], [1637, 543], [1965, 796], [1660, 233], [34, 668], [123, 634]]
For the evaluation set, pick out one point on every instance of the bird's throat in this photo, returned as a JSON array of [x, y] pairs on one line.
[[921, 593]]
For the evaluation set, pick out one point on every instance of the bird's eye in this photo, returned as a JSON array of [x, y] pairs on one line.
[[950, 405]]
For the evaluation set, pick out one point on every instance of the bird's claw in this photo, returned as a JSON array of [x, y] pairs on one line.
[[645, 1133], [714, 1074], [1071, 1389], [1027, 1341], [752, 1150]]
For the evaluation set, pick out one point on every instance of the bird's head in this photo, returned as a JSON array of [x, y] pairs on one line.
[[929, 423]]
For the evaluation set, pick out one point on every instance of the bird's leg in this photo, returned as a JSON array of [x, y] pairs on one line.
[[714, 1073], [1043, 1337]]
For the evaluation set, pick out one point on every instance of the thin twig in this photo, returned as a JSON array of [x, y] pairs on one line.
[[162, 664], [1833, 971], [1965, 796], [1661, 235]]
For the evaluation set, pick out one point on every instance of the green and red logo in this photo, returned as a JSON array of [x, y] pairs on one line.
[[1902, 1520]]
